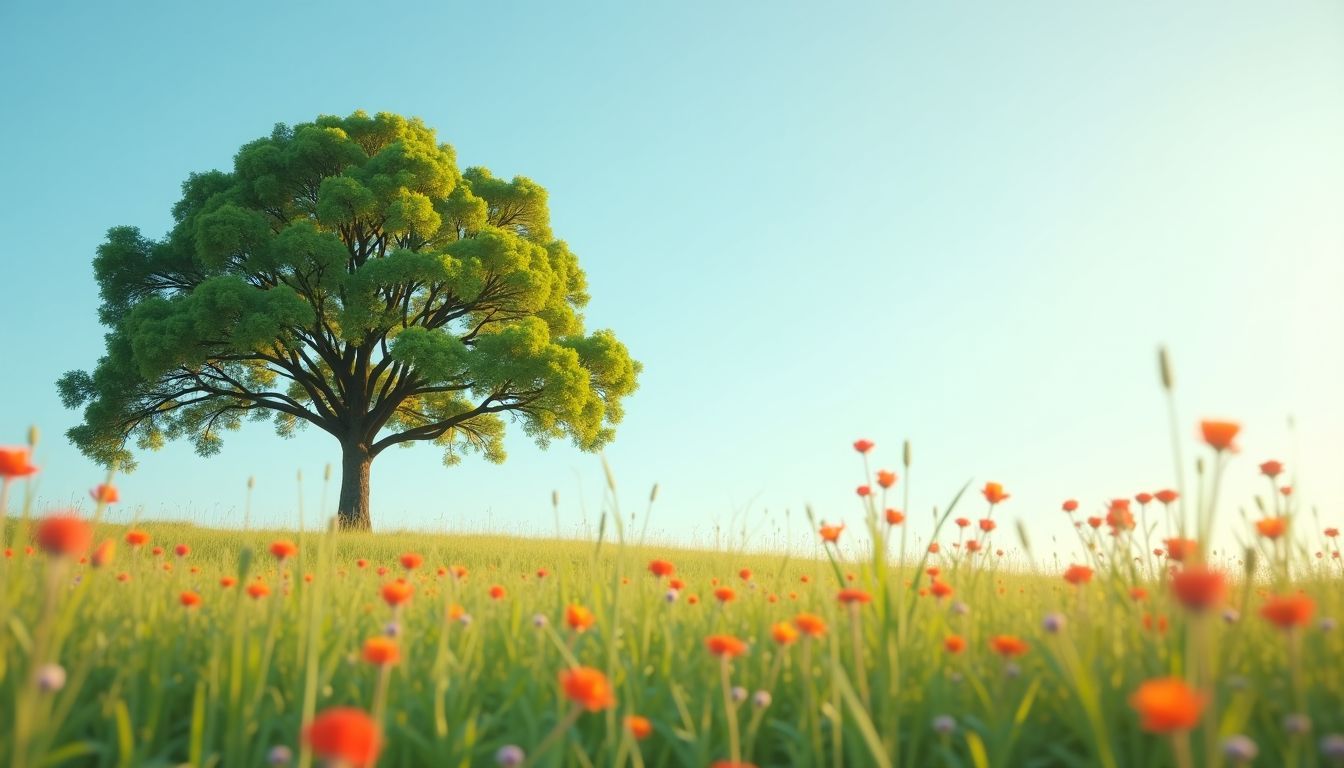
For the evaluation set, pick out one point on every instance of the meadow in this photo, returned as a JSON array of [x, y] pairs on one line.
[[163, 644]]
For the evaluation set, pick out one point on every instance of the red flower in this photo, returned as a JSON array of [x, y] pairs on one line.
[[895, 517], [1198, 587], [257, 590], [863, 446], [105, 493], [831, 533], [381, 651], [853, 595], [1271, 469], [345, 735], [972, 546], [1332, 532], [1166, 496], [954, 644], [361, 563], [1289, 611], [1078, 574], [410, 561], [661, 568], [227, 581], [1138, 594], [397, 592], [1219, 434], [103, 554], [962, 522], [863, 491], [885, 478], [934, 548], [64, 535], [283, 548], [182, 550], [1008, 645], [1118, 517], [1095, 522], [639, 727], [189, 599], [725, 646], [137, 538], [810, 624], [725, 594], [578, 618], [1272, 527], [15, 462], [1167, 704], [1144, 498], [497, 592], [744, 574], [1070, 505], [993, 493], [987, 525], [941, 589]]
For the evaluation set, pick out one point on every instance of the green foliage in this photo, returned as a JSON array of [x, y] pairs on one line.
[[345, 274]]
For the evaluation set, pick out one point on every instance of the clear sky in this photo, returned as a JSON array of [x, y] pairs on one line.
[[967, 225]]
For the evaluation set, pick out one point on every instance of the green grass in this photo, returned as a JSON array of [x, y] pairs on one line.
[[153, 683]]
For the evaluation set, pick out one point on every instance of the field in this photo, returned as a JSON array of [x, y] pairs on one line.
[[180, 645]]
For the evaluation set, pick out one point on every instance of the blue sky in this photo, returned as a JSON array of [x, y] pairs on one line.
[[966, 226]]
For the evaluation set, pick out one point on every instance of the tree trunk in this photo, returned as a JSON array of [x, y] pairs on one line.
[[353, 508]]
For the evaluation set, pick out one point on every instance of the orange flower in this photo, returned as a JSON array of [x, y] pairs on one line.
[[15, 462], [182, 550], [257, 590], [1332, 532], [934, 548], [972, 546], [962, 522], [941, 589], [1008, 645], [1167, 704], [104, 553], [588, 688], [1198, 587], [725, 646], [853, 595], [1095, 522], [1070, 505], [724, 594], [831, 533], [639, 727], [1288, 611], [579, 618], [1118, 517], [1144, 498], [64, 535], [1271, 468], [1166, 496], [157, 551], [744, 574], [1138, 594], [954, 644], [137, 538], [677, 584], [189, 599], [227, 581], [410, 561], [397, 592], [1219, 434], [993, 493], [380, 651], [783, 633], [895, 517], [661, 568], [863, 446], [1078, 574], [987, 525], [498, 593], [885, 478], [361, 563], [863, 491], [459, 572], [105, 493], [345, 735], [810, 624], [1272, 527], [283, 548], [1179, 549]]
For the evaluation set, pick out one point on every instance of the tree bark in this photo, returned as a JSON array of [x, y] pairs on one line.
[[352, 510]]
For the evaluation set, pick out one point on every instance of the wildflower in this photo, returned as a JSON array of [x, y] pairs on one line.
[[136, 539], [1271, 527], [987, 525], [1179, 549], [578, 618], [1331, 532], [189, 599], [1008, 645], [1328, 624], [1296, 724], [852, 596], [227, 581], [863, 446], [1198, 587], [64, 535], [1219, 434], [863, 491], [993, 493], [1231, 616], [783, 633], [381, 651], [1167, 704], [105, 493], [960, 609], [810, 624], [283, 548], [1070, 505], [944, 725], [1053, 623], [103, 553], [671, 595], [123, 576], [510, 756], [831, 533], [392, 629], [638, 726], [725, 646], [1078, 575], [962, 522], [972, 546], [725, 594], [50, 678], [1118, 516], [954, 644], [744, 574], [738, 694], [182, 550], [885, 478], [940, 589], [257, 590], [588, 688], [157, 551], [1144, 498], [361, 563], [1240, 749], [1271, 469], [279, 756], [397, 592], [15, 462], [934, 548], [1166, 496], [541, 572], [344, 735], [661, 568], [1332, 746], [1289, 611], [761, 699], [895, 517], [498, 593], [410, 561], [1095, 522], [1138, 594]]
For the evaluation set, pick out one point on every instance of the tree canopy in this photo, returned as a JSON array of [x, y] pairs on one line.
[[346, 275]]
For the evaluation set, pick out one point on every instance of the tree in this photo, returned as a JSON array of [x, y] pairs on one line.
[[346, 275]]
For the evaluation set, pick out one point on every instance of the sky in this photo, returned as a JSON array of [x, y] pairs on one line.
[[965, 225]]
